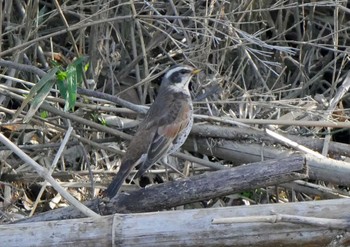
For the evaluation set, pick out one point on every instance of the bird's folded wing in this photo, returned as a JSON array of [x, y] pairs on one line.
[[164, 137]]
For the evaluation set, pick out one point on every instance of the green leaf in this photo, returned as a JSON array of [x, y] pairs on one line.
[[48, 78], [102, 121], [86, 67], [74, 77], [79, 76], [38, 100], [44, 114], [78, 64], [61, 75], [71, 83], [62, 87], [41, 15]]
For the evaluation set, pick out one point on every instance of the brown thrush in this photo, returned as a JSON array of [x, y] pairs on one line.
[[164, 129]]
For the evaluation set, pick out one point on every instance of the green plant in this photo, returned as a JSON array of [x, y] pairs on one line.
[[67, 80]]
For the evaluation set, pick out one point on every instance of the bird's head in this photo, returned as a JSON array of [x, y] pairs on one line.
[[178, 77]]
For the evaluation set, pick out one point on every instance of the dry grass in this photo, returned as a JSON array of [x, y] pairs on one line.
[[283, 60]]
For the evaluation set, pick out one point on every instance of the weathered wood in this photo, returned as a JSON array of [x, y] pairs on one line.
[[259, 136], [188, 228], [209, 185], [312, 189], [192, 189], [74, 232], [326, 169]]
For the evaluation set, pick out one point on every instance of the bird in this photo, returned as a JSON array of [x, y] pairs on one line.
[[165, 128]]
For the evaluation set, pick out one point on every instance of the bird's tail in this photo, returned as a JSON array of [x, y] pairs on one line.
[[118, 180]]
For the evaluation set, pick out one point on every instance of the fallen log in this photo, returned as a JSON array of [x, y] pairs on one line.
[[191, 189], [293, 224]]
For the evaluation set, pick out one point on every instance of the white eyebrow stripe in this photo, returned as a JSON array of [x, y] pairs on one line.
[[173, 70]]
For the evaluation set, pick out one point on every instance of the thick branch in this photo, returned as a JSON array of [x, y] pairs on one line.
[[192, 189]]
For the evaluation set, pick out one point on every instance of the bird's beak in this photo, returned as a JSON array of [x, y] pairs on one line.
[[195, 71]]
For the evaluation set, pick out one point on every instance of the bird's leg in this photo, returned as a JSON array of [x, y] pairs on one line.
[[165, 162]]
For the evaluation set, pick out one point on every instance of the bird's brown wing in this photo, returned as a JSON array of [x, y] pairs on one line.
[[168, 127], [154, 138]]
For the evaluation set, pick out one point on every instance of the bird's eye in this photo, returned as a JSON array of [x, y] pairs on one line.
[[183, 71]]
